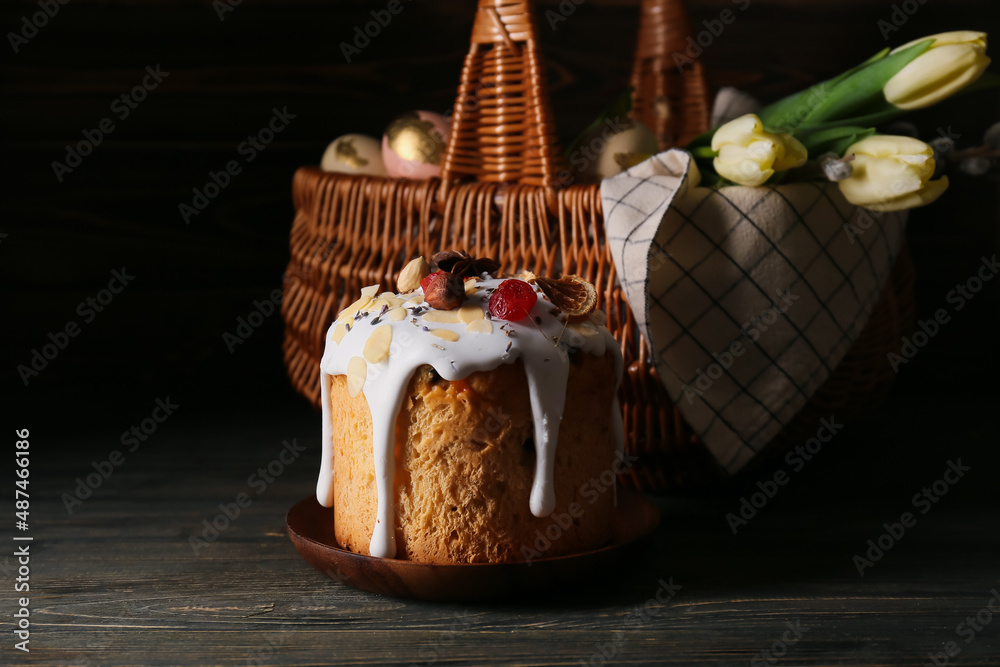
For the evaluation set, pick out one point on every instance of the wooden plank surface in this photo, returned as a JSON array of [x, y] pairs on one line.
[[116, 582]]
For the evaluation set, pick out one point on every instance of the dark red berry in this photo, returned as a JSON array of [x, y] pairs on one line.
[[427, 280], [512, 300]]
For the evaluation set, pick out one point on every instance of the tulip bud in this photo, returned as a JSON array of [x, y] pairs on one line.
[[749, 156], [952, 62], [892, 173]]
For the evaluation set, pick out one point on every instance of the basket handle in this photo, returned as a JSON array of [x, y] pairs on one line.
[[671, 94], [503, 129]]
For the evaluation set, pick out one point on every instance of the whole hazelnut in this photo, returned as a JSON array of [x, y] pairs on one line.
[[445, 291]]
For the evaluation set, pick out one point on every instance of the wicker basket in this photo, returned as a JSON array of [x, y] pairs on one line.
[[673, 102], [498, 197]]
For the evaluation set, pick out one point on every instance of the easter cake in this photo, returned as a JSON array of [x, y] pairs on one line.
[[469, 418]]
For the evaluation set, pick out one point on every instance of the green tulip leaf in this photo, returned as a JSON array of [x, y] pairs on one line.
[[786, 114], [834, 140], [875, 58], [877, 113], [863, 87]]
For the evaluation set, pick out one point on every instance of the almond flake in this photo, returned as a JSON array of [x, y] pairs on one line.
[[377, 345], [445, 334], [357, 372], [442, 316], [470, 287], [370, 291], [347, 314], [339, 333], [480, 326], [387, 302], [470, 313], [396, 314]]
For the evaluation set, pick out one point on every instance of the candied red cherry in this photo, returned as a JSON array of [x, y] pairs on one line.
[[427, 280], [512, 300]]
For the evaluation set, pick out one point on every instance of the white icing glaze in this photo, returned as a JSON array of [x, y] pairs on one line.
[[532, 339]]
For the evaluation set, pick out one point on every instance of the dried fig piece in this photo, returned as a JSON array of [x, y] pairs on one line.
[[571, 294]]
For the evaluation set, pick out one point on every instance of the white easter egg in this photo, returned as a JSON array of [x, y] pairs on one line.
[[610, 148], [354, 154]]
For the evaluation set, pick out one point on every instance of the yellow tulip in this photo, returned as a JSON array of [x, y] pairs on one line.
[[953, 61], [891, 174], [749, 156]]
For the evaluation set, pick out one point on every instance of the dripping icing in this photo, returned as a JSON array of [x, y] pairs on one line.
[[414, 344]]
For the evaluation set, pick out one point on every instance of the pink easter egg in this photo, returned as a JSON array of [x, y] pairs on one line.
[[414, 144]]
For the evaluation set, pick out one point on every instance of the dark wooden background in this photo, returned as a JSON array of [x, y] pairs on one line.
[[120, 207], [163, 336]]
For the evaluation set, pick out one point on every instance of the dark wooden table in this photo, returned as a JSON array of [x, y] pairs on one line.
[[117, 581]]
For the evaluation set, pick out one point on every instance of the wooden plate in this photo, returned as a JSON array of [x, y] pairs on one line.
[[310, 527]]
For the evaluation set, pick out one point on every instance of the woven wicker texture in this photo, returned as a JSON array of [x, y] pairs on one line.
[[353, 231], [502, 129], [670, 94]]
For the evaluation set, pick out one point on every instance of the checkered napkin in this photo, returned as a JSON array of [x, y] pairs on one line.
[[747, 296]]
